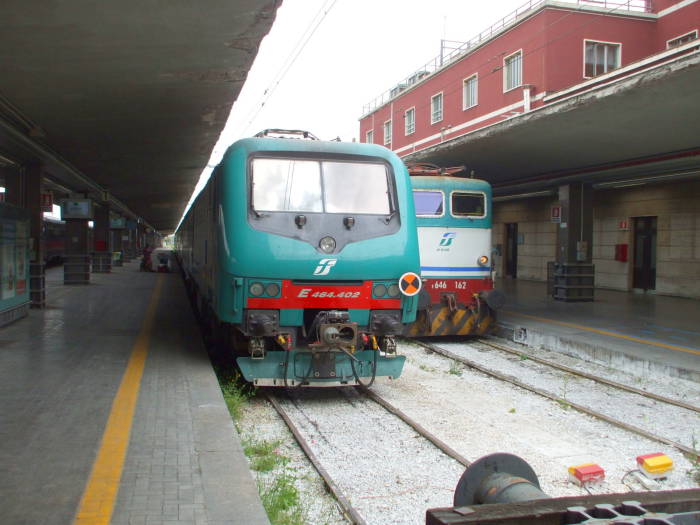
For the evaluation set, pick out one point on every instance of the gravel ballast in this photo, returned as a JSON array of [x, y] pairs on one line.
[[392, 475]]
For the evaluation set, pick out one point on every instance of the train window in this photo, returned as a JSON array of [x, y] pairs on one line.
[[287, 185], [356, 188], [428, 203], [468, 204]]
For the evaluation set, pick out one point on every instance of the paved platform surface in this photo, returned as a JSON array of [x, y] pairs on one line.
[[60, 370], [645, 332]]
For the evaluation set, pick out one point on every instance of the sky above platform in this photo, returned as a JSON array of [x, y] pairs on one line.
[[360, 49]]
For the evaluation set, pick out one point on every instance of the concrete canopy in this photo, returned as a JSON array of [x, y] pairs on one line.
[[645, 125], [133, 94]]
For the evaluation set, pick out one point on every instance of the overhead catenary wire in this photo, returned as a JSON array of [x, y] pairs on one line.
[[296, 51]]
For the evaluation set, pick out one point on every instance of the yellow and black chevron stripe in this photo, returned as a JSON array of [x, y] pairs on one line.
[[441, 321]]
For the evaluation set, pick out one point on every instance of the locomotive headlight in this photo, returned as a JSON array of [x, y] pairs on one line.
[[394, 290], [256, 289], [379, 290], [327, 244], [272, 289], [483, 260]]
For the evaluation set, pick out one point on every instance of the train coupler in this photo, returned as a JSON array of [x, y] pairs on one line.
[[323, 365], [451, 301]]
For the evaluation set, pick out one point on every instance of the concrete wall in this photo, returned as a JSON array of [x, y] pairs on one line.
[[678, 235], [538, 235], [678, 239]]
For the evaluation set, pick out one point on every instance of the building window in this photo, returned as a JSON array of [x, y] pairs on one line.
[[387, 133], [601, 57], [410, 121], [370, 137], [469, 92], [513, 71], [693, 35], [436, 108]]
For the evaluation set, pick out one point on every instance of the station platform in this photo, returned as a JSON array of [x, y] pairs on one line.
[[644, 333], [111, 412]]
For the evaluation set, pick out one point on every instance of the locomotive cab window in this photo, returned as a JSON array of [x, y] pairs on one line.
[[465, 204], [300, 185], [429, 203]]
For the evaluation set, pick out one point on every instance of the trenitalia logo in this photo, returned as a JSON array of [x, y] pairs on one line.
[[447, 238], [324, 266]]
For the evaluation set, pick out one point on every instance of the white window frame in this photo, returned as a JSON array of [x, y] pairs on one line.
[[619, 55], [475, 77], [369, 137], [470, 192], [406, 129], [388, 136], [505, 71], [444, 204], [434, 120], [693, 32]]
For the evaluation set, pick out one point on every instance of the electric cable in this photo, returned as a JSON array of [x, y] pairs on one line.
[[289, 61], [374, 371]]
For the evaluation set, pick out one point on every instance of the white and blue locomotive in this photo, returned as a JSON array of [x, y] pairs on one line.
[[454, 219]]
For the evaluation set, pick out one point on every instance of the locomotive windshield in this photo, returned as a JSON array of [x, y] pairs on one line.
[[428, 203], [468, 204], [294, 185]]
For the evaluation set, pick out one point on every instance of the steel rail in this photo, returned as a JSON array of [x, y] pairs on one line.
[[350, 512], [503, 377], [444, 447], [615, 384]]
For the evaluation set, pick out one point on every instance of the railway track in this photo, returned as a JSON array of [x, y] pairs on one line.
[[688, 451], [313, 432], [602, 380]]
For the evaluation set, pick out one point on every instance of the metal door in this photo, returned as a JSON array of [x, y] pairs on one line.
[[512, 250], [644, 270]]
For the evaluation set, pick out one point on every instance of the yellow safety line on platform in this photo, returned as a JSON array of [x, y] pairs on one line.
[[605, 332], [97, 503]]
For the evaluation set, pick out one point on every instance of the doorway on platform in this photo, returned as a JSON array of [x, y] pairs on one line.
[[644, 267]]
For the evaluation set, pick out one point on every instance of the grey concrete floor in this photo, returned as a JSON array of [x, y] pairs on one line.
[[59, 371], [662, 330]]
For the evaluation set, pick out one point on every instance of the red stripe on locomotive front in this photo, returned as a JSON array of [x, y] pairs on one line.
[[463, 289], [325, 296]]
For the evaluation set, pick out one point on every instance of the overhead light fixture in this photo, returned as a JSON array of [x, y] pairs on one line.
[[646, 180], [530, 195], [6, 161]]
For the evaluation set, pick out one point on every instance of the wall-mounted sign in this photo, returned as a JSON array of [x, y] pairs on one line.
[[117, 223], [76, 209], [555, 214], [623, 225]]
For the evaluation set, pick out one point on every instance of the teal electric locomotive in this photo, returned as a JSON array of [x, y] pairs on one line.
[[303, 258]]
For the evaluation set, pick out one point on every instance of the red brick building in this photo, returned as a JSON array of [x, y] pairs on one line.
[[544, 51]]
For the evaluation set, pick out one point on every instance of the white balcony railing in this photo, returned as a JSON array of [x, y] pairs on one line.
[[445, 58]]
